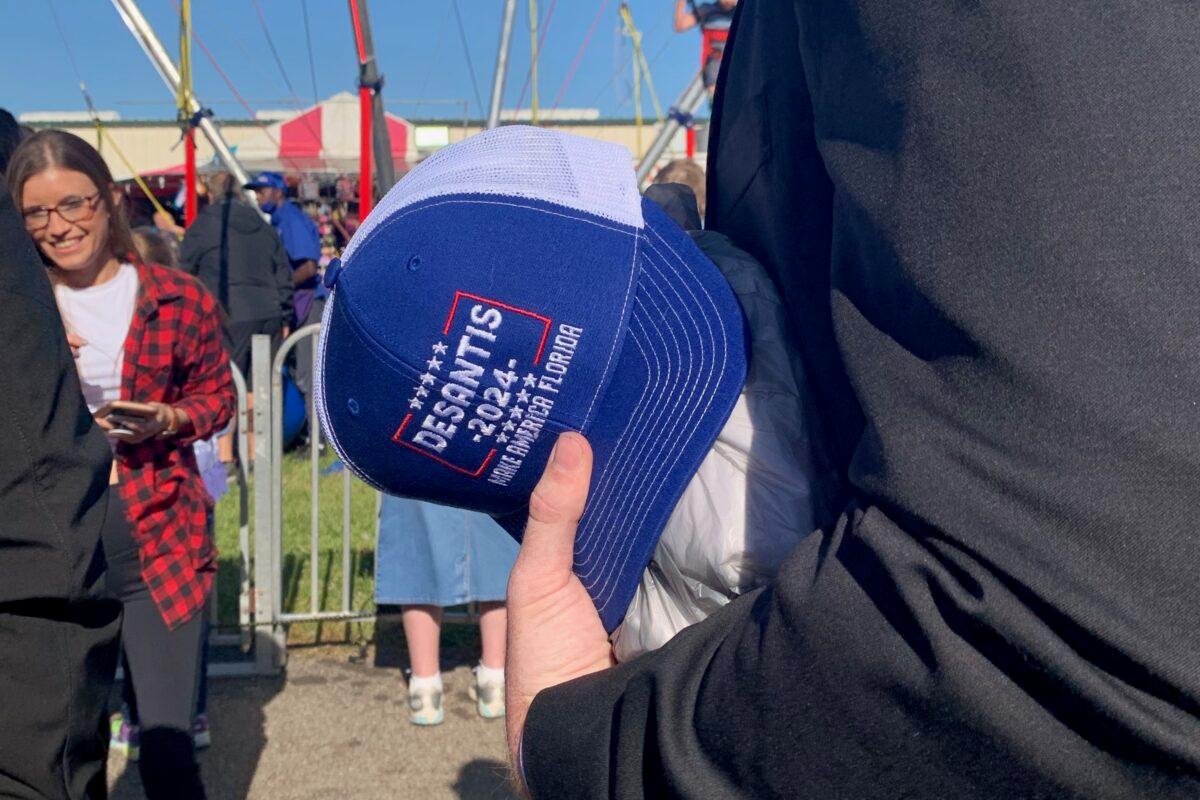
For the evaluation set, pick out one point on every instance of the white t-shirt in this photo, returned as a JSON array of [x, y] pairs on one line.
[[101, 315]]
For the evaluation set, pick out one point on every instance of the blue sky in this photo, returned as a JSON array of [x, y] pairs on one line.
[[418, 44]]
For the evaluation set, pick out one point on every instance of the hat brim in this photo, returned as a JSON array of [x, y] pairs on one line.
[[680, 370]]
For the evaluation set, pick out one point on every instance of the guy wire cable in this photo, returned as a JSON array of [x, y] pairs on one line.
[[533, 43], [583, 46], [462, 35], [101, 133], [544, 26], [312, 67]]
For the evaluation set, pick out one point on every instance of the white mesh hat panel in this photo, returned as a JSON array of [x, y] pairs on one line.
[[521, 161]]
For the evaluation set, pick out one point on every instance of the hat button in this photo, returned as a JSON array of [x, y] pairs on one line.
[[332, 271]]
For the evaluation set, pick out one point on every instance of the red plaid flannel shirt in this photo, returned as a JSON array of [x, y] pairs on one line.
[[173, 355]]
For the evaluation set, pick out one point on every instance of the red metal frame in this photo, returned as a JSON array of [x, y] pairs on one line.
[[365, 193], [189, 177]]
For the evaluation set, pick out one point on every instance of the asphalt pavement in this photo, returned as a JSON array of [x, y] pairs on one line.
[[336, 726]]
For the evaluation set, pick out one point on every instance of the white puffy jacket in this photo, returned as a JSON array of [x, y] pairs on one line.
[[752, 498]]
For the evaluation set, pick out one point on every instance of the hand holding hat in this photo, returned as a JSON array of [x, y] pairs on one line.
[[514, 294], [554, 632]]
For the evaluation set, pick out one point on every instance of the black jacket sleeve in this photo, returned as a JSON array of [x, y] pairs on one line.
[[196, 242], [982, 220], [54, 462], [282, 270], [58, 633]]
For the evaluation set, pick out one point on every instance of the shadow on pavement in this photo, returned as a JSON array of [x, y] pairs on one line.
[[483, 779], [238, 724]]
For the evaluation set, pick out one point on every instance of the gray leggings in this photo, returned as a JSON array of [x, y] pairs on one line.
[[165, 665]]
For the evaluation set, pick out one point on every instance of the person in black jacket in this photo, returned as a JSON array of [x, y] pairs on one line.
[[10, 137], [239, 257], [982, 217], [58, 632]]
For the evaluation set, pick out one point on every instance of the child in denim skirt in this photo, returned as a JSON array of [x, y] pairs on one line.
[[429, 557]]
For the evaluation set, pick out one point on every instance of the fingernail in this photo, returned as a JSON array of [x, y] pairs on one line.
[[566, 453]]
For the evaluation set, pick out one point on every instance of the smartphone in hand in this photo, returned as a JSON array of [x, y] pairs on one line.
[[121, 413]]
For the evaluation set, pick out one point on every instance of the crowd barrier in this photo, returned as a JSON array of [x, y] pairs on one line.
[[261, 627], [221, 633]]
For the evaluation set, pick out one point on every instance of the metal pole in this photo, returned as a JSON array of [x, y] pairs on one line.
[[153, 48], [189, 172], [314, 494], [269, 653], [382, 139], [185, 91], [366, 194], [506, 29], [366, 189], [685, 106], [243, 428]]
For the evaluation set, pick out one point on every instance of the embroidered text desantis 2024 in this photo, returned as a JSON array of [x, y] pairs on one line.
[[478, 417]]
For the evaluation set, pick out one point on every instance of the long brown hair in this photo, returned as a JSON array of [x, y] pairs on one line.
[[51, 148]]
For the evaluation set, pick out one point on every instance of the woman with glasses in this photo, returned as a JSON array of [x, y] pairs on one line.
[[156, 379]]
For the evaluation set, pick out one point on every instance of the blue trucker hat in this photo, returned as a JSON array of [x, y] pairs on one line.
[[273, 179], [511, 287]]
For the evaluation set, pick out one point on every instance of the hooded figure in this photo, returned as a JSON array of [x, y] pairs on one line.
[[240, 258]]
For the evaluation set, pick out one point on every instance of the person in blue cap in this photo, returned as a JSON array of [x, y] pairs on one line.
[[303, 245]]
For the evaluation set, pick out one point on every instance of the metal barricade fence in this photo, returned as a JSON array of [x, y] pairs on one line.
[[269, 535], [269, 617], [219, 634], [314, 613]]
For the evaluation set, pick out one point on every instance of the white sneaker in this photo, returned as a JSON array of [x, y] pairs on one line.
[[487, 694], [425, 705]]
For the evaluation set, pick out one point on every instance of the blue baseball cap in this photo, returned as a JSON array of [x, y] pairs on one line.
[[272, 179], [511, 287]]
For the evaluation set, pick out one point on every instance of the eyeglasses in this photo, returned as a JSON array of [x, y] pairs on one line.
[[71, 209]]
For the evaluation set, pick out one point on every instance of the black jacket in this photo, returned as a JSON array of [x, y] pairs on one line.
[[58, 635], [256, 281], [54, 462], [983, 217]]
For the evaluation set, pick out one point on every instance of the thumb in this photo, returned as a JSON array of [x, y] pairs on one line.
[[557, 504]]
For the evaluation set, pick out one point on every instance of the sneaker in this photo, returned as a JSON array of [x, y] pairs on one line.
[[488, 695], [123, 737], [201, 734], [425, 706]]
